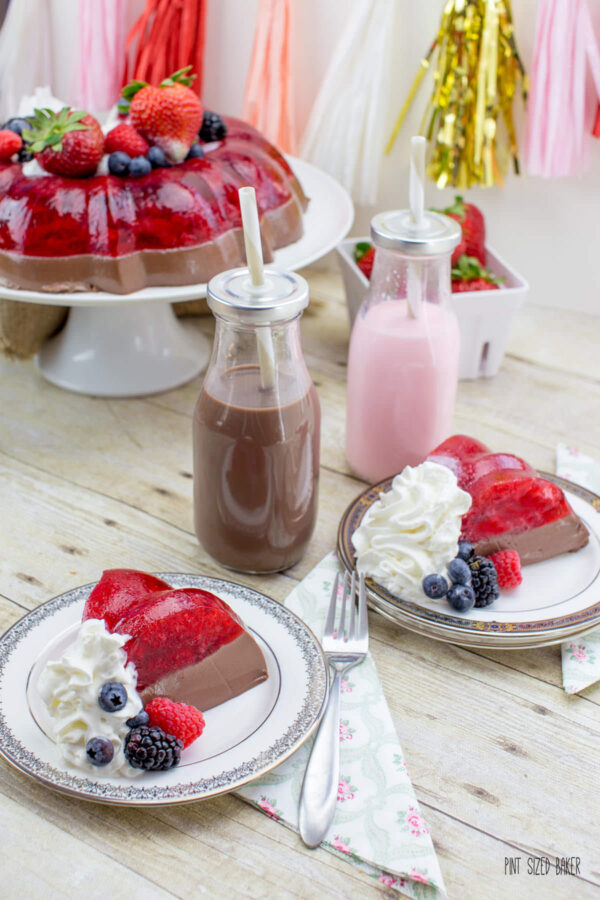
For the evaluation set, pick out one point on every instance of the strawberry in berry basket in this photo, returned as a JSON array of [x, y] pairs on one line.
[[469, 275], [168, 116], [364, 255], [67, 143], [471, 220]]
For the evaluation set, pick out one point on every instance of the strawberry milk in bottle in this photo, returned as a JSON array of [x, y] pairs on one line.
[[404, 347]]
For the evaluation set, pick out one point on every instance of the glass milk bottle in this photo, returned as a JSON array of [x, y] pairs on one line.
[[256, 427], [404, 347]]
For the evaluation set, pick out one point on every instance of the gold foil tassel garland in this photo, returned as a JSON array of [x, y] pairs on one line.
[[468, 121]]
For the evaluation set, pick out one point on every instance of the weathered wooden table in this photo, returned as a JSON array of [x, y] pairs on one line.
[[504, 763]]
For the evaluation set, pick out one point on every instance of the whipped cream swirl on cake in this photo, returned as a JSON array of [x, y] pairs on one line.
[[412, 530], [70, 688]]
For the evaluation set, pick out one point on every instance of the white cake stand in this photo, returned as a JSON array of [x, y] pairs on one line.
[[132, 345]]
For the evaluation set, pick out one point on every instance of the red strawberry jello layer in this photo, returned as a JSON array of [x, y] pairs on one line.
[[187, 644], [513, 507], [174, 226]]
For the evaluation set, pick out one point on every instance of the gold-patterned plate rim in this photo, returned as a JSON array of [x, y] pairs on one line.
[[444, 626], [307, 716]]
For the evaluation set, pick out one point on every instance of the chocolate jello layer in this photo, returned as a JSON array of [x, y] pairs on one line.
[[564, 535], [149, 268], [233, 669]]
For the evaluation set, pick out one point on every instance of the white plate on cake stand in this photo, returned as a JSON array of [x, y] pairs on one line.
[[559, 597], [243, 738], [139, 346]]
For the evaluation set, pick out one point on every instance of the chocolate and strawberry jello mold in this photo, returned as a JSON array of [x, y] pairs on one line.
[[513, 507], [154, 202], [127, 695]]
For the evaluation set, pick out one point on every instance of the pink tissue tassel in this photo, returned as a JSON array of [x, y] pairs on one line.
[[268, 99], [102, 36], [558, 116]]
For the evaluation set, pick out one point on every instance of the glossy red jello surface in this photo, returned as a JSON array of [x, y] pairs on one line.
[[185, 207], [508, 495], [169, 629]]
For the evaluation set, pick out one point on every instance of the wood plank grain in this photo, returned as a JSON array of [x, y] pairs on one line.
[[54, 865], [218, 848]]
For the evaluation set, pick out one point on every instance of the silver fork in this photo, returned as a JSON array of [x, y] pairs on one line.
[[344, 648]]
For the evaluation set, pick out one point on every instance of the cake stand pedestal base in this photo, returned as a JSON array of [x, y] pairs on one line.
[[129, 350]]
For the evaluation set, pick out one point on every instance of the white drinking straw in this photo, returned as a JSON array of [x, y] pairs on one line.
[[254, 258], [416, 199]]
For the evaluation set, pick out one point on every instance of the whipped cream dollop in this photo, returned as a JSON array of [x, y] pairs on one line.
[[412, 530], [70, 688]]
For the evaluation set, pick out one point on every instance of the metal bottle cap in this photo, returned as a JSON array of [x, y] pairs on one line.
[[232, 296], [396, 230]]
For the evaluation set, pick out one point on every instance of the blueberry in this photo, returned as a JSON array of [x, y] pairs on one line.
[[24, 155], [196, 152], [112, 696], [435, 586], [99, 751], [157, 158], [459, 571], [17, 125], [461, 597], [142, 718], [139, 166], [465, 550], [118, 163]]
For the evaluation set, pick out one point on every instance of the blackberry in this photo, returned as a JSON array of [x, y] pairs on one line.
[[484, 580], [213, 127], [24, 155], [150, 748]]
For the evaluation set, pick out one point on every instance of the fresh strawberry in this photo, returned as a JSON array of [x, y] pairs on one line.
[[364, 254], [508, 568], [468, 275], [179, 719], [125, 138], [10, 143], [169, 115], [471, 220], [117, 591], [66, 143]]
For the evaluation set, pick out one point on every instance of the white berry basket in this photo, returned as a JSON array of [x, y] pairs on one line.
[[484, 317]]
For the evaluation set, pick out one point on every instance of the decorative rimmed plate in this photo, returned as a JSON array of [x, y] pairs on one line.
[[243, 738], [558, 598]]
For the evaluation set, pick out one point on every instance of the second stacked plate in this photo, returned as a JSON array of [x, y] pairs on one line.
[[558, 598]]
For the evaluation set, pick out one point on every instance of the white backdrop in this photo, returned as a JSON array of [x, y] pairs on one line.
[[547, 230]]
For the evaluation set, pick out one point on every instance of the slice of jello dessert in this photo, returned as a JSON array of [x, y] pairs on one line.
[[187, 644], [513, 507]]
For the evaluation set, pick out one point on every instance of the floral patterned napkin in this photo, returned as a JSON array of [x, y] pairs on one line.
[[581, 655], [377, 826]]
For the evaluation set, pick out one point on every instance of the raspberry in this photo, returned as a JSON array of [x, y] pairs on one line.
[[183, 721], [508, 568], [10, 143], [126, 139]]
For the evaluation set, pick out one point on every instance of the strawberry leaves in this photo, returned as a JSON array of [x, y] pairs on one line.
[[468, 268], [49, 128]]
